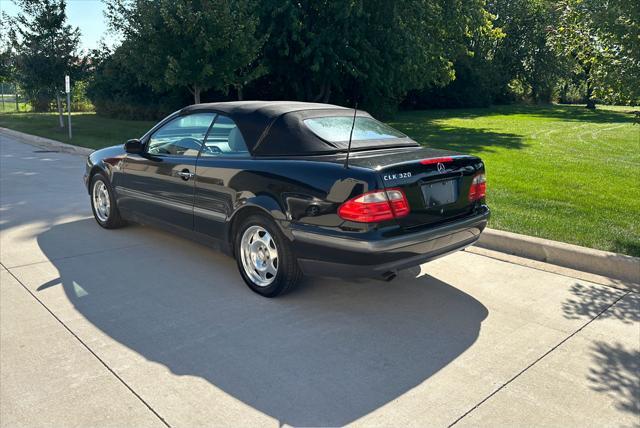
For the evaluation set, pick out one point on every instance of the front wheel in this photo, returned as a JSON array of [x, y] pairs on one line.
[[103, 204], [264, 257]]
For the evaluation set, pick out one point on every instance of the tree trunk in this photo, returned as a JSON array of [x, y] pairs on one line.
[[240, 94], [196, 94], [59, 109], [563, 93], [308, 91], [591, 103], [327, 93], [321, 94]]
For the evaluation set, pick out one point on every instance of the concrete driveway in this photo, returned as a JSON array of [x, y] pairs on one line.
[[136, 327]]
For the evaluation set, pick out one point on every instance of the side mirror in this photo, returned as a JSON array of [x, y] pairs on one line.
[[134, 146]]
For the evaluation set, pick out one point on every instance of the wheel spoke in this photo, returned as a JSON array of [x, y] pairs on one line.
[[271, 268]]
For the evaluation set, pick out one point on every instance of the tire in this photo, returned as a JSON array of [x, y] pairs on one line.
[[106, 211], [257, 239]]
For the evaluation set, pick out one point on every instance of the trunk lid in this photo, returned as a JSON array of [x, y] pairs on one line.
[[435, 182]]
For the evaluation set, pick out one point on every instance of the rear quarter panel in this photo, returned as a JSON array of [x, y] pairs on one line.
[[294, 192]]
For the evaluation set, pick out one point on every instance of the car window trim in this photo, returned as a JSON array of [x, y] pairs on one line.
[[221, 156], [206, 135], [147, 137]]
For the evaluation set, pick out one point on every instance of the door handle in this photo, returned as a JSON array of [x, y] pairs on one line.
[[185, 174]]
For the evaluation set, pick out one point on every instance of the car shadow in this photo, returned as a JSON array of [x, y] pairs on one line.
[[326, 354]]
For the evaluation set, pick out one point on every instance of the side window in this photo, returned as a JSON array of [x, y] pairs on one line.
[[183, 136], [224, 139]]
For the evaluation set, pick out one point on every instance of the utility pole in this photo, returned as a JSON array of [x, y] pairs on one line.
[[2, 89], [67, 88], [15, 90]]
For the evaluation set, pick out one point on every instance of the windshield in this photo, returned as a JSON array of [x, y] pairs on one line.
[[337, 128]]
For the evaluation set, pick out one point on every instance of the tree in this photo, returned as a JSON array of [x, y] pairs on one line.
[[115, 89], [7, 69], [6, 63], [616, 24], [5, 50], [479, 79], [526, 52], [602, 40], [195, 44], [373, 50], [46, 50]]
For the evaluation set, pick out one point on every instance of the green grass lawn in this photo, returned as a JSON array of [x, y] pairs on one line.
[[557, 172], [89, 129]]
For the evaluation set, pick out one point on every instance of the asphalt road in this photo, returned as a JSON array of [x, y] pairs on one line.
[[136, 327]]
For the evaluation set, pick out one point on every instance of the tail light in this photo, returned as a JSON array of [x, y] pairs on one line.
[[436, 160], [375, 206], [478, 188]]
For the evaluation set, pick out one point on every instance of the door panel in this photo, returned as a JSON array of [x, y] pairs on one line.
[[152, 186], [160, 183], [223, 158]]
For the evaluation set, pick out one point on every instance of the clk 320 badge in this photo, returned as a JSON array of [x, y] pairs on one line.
[[400, 175]]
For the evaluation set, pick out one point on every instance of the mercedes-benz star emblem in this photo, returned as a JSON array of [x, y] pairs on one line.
[[441, 167]]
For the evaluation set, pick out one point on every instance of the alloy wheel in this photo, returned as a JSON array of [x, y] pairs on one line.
[[101, 201], [259, 255]]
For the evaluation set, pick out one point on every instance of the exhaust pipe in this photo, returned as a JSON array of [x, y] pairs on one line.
[[389, 276]]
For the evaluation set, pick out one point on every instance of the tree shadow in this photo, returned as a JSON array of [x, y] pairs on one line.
[[617, 374], [616, 368], [425, 126], [590, 301], [327, 354], [564, 112], [432, 134], [627, 245], [573, 113]]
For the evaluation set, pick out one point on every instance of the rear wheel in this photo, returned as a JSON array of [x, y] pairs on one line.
[[103, 204], [264, 257]]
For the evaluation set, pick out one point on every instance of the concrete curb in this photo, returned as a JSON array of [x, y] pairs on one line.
[[612, 265], [45, 143]]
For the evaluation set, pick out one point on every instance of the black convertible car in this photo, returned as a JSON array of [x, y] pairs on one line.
[[289, 188]]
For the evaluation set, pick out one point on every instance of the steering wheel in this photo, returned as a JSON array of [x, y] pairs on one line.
[[214, 150], [188, 143]]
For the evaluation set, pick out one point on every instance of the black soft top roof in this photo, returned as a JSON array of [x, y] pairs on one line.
[[277, 127]]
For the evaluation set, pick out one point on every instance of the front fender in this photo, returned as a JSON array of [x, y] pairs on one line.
[[104, 161]]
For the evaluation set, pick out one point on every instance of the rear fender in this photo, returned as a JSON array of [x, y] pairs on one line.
[[259, 204]]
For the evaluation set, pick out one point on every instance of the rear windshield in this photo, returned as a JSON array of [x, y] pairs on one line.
[[337, 128]]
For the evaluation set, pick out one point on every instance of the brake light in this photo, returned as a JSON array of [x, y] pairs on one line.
[[375, 206], [478, 189], [436, 160]]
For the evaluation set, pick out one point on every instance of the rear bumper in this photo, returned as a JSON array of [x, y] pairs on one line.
[[320, 254]]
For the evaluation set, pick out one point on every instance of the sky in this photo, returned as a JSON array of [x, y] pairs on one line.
[[85, 14]]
